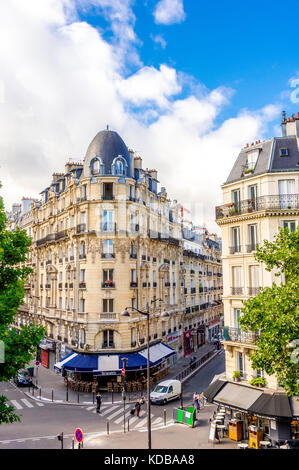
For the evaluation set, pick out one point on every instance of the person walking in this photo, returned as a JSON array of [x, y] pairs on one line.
[[137, 407], [196, 402], [99, 402]]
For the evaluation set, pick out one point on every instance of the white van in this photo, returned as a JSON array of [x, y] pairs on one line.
[[165, 391]]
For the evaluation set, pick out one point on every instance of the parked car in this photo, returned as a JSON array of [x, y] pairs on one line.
[[166, 391], [23, 378]]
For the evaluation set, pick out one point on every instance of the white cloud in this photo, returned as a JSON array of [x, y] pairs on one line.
[[150, 85], [61, 83], [158, 39], [169, 12]]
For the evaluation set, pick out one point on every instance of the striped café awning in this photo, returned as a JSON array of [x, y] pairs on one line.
[[111, 364]]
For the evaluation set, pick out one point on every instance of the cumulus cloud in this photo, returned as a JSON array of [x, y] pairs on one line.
[[61, 83], [158, 39], [169, 12]]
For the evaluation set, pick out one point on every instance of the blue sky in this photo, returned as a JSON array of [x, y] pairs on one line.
[[185, 83], [251, 48]]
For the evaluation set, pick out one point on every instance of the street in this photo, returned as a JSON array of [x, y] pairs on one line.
[[41, 422]]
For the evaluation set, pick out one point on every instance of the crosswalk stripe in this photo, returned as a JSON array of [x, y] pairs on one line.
[[26, 402], [16, 404], [90, 408], [120, 410], [119, 420], [107, 410], [157, 421], [39, 404], [142, 422]]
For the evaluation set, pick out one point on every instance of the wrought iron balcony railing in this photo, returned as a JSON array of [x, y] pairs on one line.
[[270, 202], [253, 291], [238, 335], [237, 290]]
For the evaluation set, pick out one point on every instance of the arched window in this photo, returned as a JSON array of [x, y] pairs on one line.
[[96, 166], [119, 166], [108, 249]]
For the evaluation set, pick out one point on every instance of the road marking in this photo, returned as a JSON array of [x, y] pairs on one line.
[[109, 409], [90, 408], [142, 422], [157, 421], [26, 402], [119, 420], [39, 404], [16, 404], [115, 414]]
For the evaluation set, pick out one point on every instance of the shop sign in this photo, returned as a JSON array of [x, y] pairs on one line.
[[213, 322], [173, 337]]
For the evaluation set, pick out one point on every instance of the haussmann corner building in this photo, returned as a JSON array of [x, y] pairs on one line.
[[260, 195], [103, 239]]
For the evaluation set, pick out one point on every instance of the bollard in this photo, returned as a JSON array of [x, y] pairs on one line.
[[112, 396], [93, 398], [33, 391], [73, 443], [78, 398], [40, 393], [52, 395], [107, 428], [164, 417], [128, 424], [67, 391]]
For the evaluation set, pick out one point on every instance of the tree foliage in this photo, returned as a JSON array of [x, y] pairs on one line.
[[19, 346], [274, 312]]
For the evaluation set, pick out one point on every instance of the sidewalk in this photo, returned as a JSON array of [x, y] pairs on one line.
[[51, 384], [176, 436]]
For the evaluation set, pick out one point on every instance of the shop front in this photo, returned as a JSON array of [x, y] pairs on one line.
[[188, 343], [47, 353], [201, 335], [213, 328], [173, 341], [104, 370], [251, 414]]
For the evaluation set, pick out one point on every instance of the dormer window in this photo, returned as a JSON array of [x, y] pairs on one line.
[[283, 152], [96, 166], [252, 159], [119, 166]]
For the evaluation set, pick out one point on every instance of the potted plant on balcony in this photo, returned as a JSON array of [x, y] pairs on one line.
[[109, 282], [248, 171], [258, 382], [236, 376]]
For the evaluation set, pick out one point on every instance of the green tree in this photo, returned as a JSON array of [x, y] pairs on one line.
[[19, 347], [274, 312]]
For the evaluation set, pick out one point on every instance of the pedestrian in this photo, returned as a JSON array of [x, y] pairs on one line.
[[196, 401], [137, 407], [99, 402]]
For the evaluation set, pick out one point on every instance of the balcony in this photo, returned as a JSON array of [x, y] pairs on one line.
[[251, 247], [209, 273], [108, 345], [133, 284], [167, 284], [61, 234], [71, 285], [108, 316], [154, 284], [262, 203], [133, 255], [154, 260], [193, 290], [236, 290], [108, 255], [108, 285], [42, 241], [60, 285], [81, 228], [253, 291], [82, 285], [108, 197], [82, 256], [235, 249], [192, 271], [133, 344], [50, 237], [141, 340], [65, 285], [188, 310], [48, 286], [239, 336], [185, 290]]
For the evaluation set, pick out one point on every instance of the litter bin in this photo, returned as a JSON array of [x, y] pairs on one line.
[[30, 371], [185, 415]]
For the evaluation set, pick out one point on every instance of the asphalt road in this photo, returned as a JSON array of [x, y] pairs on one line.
[[41, 422]]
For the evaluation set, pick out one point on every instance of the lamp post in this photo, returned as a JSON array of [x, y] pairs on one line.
[[147, 314]]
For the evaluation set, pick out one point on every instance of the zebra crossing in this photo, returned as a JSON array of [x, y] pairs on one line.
[[24, 404], [115, 414]]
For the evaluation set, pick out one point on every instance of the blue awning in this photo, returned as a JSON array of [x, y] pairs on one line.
[[111, 364]]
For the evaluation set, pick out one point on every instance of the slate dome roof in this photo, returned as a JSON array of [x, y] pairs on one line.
[[108, 145]]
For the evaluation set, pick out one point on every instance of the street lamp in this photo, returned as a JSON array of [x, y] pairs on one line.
[[147, 314]]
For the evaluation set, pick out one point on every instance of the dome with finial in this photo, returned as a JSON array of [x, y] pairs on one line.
[[107, 154]]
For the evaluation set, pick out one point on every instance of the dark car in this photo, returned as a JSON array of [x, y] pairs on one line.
[[23, 378]]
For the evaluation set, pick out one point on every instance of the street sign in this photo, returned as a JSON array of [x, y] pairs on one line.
[[123, 372], [78, 435], [37, 363]]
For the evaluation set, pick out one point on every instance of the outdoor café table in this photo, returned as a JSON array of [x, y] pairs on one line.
[[265, 444], [221, 427], [243, 445], [283, 447]]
